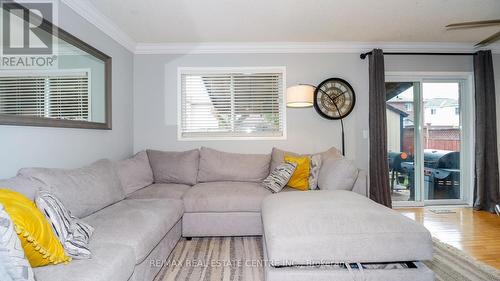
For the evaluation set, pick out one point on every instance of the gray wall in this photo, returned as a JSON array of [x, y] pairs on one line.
[[155, 102], [155, 98], [58, 147]]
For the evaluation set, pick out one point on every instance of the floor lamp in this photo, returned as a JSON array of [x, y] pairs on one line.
[[302, 95]]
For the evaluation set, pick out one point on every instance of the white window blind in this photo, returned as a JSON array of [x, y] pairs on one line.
[[222, 103], [54, 95]]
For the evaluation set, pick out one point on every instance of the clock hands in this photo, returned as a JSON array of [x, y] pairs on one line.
[[333, 101]]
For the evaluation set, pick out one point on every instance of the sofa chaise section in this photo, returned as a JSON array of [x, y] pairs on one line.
[[340, 227]]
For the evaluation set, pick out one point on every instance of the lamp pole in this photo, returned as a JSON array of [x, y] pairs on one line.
[[340, 116]]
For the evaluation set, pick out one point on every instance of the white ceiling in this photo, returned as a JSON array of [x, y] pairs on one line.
[[198, 21]]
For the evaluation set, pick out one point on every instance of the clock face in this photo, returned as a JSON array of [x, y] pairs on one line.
[[334, 98]]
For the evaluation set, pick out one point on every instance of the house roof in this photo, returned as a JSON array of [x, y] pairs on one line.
[[441, 102], [397, 110]]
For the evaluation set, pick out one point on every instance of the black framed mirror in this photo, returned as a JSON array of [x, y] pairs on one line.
[[48, 77]]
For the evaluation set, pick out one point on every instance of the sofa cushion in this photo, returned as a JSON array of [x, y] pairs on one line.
[[110, 262], [83, 191], [134, 172], [174, 167], [339, 226], [161, 190], [137, 223], [225, 197], [24, 185], [223, 166], [337, 174]]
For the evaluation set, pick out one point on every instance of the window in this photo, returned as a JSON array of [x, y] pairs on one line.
[[433, 111], [231, 103], [61, 95], [408, 107]]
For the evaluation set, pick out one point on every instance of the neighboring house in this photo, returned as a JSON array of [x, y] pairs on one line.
[[441, 112], [441, 124], [395, 119]]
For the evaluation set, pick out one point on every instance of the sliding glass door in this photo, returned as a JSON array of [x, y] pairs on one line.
[[429, 140], [401, 107]]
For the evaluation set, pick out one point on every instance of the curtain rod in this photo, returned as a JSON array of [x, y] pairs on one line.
[[363, 56]]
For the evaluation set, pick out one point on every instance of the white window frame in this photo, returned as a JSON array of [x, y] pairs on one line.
[[56, 72], [224, 70]]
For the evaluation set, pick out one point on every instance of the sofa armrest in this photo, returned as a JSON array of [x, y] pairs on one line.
[[361, 183]]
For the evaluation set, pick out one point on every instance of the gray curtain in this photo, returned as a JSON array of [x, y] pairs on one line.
[[486, 181], [379, 168]]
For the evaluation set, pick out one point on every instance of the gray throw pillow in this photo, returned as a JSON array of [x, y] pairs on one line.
[[134, 172], [14, 264], [83, 191], [331, 153], [315, 166], [336, 174], [73, 233], [279, 177], [175, 167], [224, 166]]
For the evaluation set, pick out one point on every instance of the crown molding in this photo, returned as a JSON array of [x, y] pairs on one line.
[[89, 12], [301, 47]]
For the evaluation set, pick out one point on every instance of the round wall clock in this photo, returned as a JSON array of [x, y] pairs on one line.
[[334, 98]]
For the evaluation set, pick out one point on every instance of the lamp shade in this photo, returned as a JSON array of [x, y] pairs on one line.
[[300, 96]]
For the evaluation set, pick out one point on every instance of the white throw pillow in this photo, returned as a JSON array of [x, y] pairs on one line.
[[73, 233], [336, 174], [279, 177], [14, 264]]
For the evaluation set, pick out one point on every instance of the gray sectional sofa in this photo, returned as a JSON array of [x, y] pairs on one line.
[[140, 207]]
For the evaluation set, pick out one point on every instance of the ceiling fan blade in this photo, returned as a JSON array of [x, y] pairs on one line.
[[489, 40], [473, 24]]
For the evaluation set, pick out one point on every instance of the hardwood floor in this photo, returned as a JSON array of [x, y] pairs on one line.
[[476, 233]]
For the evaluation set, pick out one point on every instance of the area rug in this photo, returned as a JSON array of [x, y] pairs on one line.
[[449, 263], [241, 259]]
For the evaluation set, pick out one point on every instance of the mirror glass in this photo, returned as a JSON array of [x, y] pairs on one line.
[[54, 79]]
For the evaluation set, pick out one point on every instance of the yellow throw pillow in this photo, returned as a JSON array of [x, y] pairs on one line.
[[41, 246], [300, 178]]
